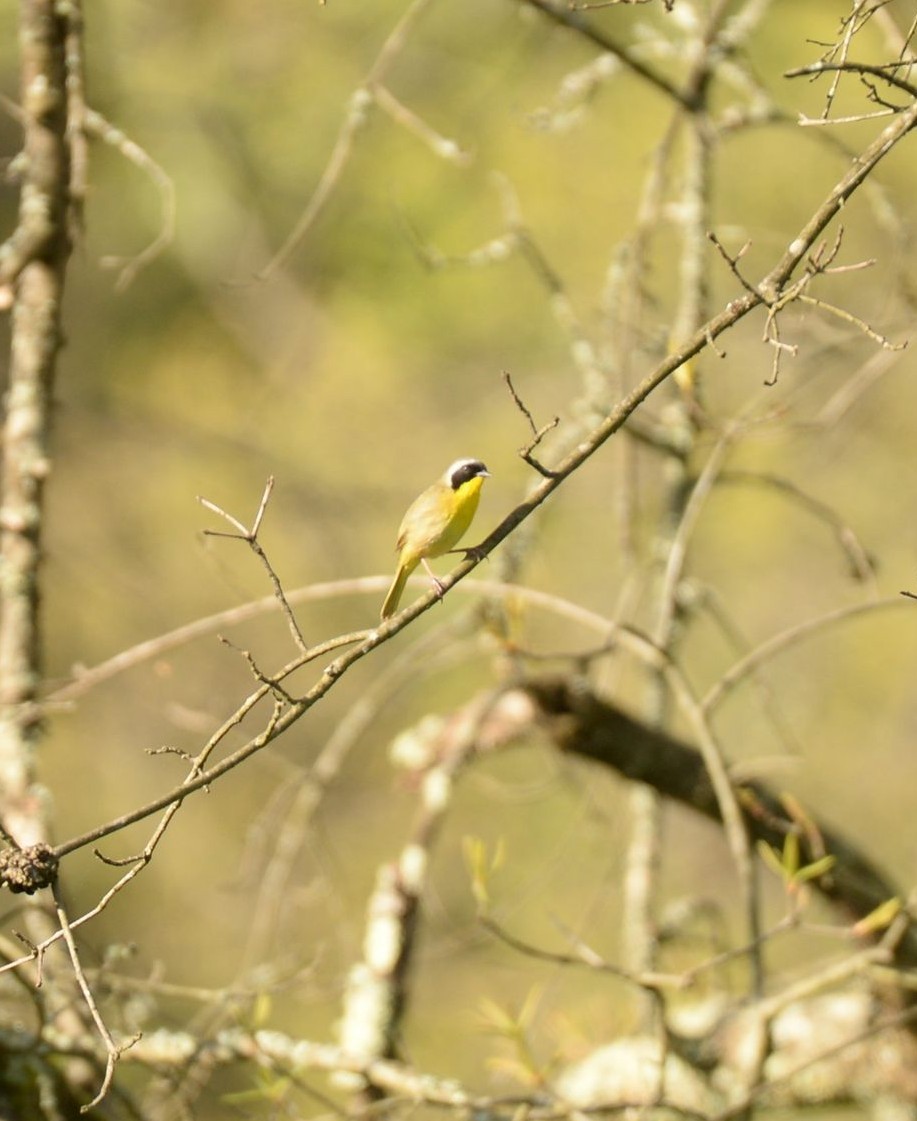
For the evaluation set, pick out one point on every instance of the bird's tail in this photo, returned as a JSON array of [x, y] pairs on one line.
[[394, 593]]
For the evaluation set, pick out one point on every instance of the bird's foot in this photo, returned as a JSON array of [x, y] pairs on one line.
[[473, 553], [438, 586]]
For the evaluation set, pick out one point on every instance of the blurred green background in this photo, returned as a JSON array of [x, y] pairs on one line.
[[354, 374]]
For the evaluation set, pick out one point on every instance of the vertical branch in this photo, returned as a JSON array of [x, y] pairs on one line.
[[684, 493], [361, 101], [624, 302], [644, 844], [32, 265], [694, 292], [691, 311], [36, 257], [376, 996]]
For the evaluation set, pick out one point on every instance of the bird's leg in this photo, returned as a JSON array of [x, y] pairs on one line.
[[437, 583]]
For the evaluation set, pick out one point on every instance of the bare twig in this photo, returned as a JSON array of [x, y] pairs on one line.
[[356, 118], [76, 116], [250, 537], [280, 694], [441, 146], [538, 434], [732, 260], [113, 1051], [582, 955], [708, 599], [861, 564], [855, 320], [785, 641], [850, 25], [87, 678], [885, 73], [309, 786], [570, 18], [96, 124]]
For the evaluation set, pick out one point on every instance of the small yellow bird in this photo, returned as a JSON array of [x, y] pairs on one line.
[[435, 522]]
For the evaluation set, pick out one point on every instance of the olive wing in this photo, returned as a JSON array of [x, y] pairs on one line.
[[426, 520]]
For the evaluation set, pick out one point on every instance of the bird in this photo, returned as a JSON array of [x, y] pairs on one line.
[[434, 523]]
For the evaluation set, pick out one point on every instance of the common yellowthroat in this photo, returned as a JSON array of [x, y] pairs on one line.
[[434, 523]]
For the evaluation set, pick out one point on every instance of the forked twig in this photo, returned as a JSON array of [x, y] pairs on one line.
[[732, 260], [855, 320], [884, 73], [784, 641], [861, 564], [258, 674], [357, 115], [94, 123], [113, 1051], [250, 537], [538, 434]]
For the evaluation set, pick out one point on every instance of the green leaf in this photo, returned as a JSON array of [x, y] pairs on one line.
[[482, 866], [816, 869], [879, 918], [771, 858], [791, 855]]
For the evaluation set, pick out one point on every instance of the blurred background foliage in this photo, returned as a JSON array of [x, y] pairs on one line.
[[354, 374]]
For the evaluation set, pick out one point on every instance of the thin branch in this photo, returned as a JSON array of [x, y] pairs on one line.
[[113, 1051], [570, 18], [96, 124], [885, 73], [785, 641], [250, 537], [285, 831], [850, 25], [578, 720], [855, 320], [538, 434], [708, 599], [441, 146], [732, 260], [356, 118], [654, 980], [280, 694], [773, 282], [74, 62], [677, 546], [582, 956], [861, 564], [87, 678]]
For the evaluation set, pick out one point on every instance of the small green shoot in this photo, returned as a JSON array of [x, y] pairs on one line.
[[481, 866], [787, 866]]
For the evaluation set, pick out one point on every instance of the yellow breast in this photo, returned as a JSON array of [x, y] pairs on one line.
[[436, 521]]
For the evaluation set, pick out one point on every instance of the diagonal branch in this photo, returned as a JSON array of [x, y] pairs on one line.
[[364, 643], [579, 721], [568, 16]]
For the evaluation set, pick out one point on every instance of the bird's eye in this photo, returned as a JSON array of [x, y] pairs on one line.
[[466, 471]]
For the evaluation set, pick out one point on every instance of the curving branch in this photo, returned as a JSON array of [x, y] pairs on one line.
[[579, 721]]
